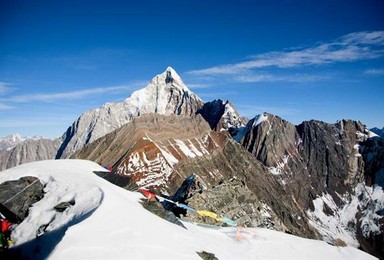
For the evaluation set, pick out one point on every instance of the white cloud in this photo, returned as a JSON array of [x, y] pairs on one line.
[[348, 48], [375, 71], [297, 78], [371, 38], [4, 87], [66, 95], [198, 85], [4, 107]]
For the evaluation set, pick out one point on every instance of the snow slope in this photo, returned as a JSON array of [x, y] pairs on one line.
[[107, 222]]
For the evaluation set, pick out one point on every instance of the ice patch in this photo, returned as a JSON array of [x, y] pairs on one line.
[[280, 166], [259, 119]]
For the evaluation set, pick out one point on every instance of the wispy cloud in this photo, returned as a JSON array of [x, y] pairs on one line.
[[4, 87], [4, 107], [297, 78], [348, 48], [44, 97], [375, 71], [199, 85]]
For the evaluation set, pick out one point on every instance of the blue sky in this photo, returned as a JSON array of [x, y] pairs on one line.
[[300, 60]]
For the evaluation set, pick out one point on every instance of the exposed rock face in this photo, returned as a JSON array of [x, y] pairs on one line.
[[165, 94], [332, 157], [372, 151], [20, 194], [29, 151], [271, 139]]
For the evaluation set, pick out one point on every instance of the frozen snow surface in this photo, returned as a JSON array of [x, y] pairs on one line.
[[108, 222]]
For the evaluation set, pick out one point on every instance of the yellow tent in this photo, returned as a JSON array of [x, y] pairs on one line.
[[205, 213]]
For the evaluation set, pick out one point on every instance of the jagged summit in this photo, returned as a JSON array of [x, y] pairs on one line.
[[169, 78], [164, 91]]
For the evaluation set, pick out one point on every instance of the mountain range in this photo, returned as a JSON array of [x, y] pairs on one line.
[[315, 180]]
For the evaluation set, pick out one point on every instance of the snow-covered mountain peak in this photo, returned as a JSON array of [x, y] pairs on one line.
[[171, 77], [165, 94], [165, 81]]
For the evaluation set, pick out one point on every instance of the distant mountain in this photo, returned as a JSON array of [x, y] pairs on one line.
[[29, 150], [165, 94], [10, 141]]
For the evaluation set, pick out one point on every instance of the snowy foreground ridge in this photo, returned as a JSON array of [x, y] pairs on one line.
[[108, 222]]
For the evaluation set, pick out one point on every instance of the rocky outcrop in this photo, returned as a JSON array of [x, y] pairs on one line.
[[165, 94], [17, 196], [29, 151]]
